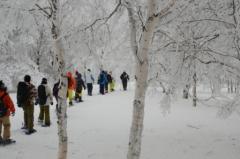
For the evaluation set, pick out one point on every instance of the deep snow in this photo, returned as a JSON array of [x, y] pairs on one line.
[[99, 128]]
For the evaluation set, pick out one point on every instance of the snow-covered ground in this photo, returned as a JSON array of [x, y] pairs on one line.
[[99, 128]]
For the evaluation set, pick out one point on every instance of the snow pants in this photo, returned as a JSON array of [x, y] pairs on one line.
[[70, 94], [28, 115], [5, 125], [124, 83], [44, 114], [89, 88], [102, 88], [112, 85]]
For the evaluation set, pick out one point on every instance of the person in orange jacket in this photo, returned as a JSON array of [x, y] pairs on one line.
[[71, 87], [6, 108]]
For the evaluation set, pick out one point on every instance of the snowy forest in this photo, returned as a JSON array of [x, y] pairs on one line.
[[182, 57]]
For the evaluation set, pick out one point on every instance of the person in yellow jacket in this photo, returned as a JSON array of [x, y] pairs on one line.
[[111, 81]]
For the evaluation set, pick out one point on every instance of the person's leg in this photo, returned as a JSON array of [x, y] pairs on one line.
[[80, 96], [47, 115], [70, 96], [101, 88], [77, 96], [25, 117], [123, 84], [106, 87], [6, 127], [89, 88], [30, 117], [41, 114]]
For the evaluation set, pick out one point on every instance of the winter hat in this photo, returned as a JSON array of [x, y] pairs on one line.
[[27, 78], [44, 81], [2, 85]]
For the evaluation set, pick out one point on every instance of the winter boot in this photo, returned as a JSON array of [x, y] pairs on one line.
[[80, 99], [29, 132], [7, 142], [70, 103]]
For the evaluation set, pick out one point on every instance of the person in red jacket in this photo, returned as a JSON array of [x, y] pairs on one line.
[[7, 108], [71, 87]]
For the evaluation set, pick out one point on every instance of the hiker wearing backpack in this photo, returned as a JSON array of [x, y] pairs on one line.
[[45, 99], [102, 80], [71, 87], [26, 95], [79, 87], [125, 78], [6, 108]]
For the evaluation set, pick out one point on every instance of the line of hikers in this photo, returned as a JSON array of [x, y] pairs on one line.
[[28, 96]]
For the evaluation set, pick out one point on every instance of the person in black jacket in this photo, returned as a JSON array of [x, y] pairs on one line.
[[110, 81], [45, 99], [55, 92], [124, 77], [79, 86]]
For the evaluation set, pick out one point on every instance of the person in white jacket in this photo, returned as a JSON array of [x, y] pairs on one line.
[[45, 99], [89, 80]]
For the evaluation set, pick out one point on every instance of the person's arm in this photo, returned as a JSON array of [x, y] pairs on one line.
[[92, 78], [83, 84], [121, 77]]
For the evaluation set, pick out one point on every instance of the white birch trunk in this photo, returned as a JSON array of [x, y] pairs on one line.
[[61, 71], [141, 56], [195, 90], [194, 85]]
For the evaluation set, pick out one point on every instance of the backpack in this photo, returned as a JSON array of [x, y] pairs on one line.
[[42, 96], [22, 93], [3, 108]]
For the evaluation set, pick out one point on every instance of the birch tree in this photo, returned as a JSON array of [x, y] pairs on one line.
[[141, 52], [60, 69]]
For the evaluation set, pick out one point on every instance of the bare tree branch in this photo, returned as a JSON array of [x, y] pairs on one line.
[[90, 26], [48, 15], [212, 20]]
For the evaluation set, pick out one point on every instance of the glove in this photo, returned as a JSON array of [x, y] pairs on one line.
[[51, 103], [13, 113], [36, 102]]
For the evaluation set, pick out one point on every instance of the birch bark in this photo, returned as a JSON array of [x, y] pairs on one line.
[[141, 57], [61, 71]]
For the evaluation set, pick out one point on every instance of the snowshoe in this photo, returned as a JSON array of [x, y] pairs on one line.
[[24, 127], [7, 142]]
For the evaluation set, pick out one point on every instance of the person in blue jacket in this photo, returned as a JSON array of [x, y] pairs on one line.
[[102, 80]]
